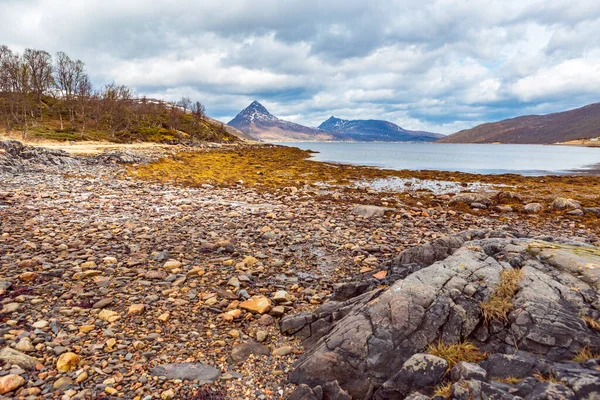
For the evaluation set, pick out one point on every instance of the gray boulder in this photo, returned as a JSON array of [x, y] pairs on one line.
[[465, 370], [363, 342], [420, 372]]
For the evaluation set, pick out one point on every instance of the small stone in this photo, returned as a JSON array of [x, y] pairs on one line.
[[67, 362], [111, 390], [10, 382], [164, 317], [41, 324], [103, 303], [283, 351], [135, 309], [24, 345], [261, 336], [62, 382], [258, 304], [11, 356], [234, 333], [281, 296], [28, 276], [86, 328], [81, 377], [10, 308], [108, 315], [167, 394], [277, 311], [172, 264]]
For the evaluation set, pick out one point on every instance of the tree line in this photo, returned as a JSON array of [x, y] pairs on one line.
[[36, 87]]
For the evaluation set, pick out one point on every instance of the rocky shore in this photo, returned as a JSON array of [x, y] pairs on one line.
[[116, 287]]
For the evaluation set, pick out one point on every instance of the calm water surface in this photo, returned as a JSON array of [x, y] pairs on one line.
[[473, 158]]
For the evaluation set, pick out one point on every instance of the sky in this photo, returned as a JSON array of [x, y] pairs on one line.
[[435, 65]]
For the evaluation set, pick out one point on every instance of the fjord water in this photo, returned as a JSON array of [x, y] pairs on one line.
[[473, 158]]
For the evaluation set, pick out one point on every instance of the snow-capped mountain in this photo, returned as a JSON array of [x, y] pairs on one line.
[[257, 121], [372, 130]]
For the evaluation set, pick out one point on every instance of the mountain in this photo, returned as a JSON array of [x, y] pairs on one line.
[[371, 130], [231, 130], [575, 124], [256, 121]]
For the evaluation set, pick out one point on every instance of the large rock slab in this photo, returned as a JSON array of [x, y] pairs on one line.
[[364, 341]]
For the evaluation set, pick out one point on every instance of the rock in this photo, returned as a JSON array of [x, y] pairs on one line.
[[257, 304], [283, 351], [187, 371], [10, 356], [587, 210], [576, 212], [103, 303], [420, 372], [503, 209], [561, 203], [470, 198], [242, 351], [500, 366], [11, 382], [41, 324], [533, 208], [168, 394], [281, 296], [479, 206], [261, 336], [333, 391], [62, 383], [67, 362], [24, 345], [172, 264], [108, 315], [551, 391], [361, 341], [465, 371], [135, 309], [369, 211], [10, 308], [304, 392]]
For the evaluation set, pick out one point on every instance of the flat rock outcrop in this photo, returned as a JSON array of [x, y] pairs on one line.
[[365, 342]]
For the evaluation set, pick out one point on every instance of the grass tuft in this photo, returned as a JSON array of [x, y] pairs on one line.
[[547, 378], [500, 303], [511, 380], [455, 353], [592, 323], [443, 389], [584, 355]]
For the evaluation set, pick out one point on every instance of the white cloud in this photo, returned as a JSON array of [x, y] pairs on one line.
[[437, 65]]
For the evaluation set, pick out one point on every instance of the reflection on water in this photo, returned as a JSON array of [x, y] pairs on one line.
[[473, 158]]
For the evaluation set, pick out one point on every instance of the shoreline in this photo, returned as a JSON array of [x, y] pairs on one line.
[[140, 270]]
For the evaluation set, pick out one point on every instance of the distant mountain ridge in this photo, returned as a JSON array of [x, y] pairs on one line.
[[580, 123], [371, 130], [257, 121]]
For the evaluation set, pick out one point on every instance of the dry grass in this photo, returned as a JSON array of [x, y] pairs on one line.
[[546, 378], [500, 303], [443, 389], [511, 380], [455, 353], [592, 323], [584, 355]]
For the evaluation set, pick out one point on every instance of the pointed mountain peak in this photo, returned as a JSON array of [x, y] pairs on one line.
[[255, 106]]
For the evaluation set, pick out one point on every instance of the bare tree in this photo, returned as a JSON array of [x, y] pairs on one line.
[[185, 103], [68, 76], [83, 100], [39, 63], [198, 111]]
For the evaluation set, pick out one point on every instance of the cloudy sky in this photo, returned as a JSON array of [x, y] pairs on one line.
[[438, 65]]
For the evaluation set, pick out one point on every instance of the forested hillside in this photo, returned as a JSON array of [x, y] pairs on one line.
[[53, 98]]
